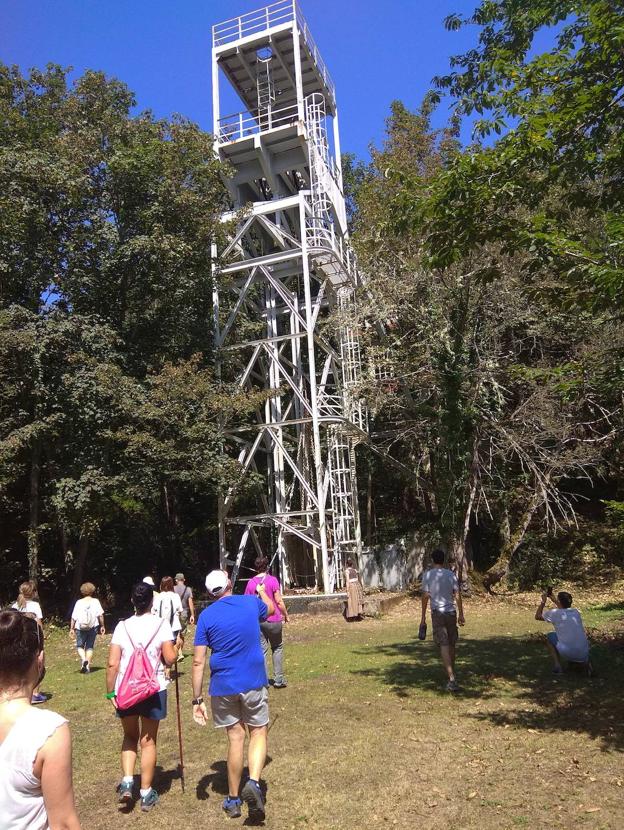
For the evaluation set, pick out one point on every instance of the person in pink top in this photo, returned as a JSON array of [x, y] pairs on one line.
[[271, 629]]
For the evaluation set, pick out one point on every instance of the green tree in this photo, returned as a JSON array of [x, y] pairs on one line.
[[109, 416], [491, 387]]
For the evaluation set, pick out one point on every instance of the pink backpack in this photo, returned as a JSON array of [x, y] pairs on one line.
[[139, 680]]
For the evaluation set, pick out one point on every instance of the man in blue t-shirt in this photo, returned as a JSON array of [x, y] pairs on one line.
[[230, 628]]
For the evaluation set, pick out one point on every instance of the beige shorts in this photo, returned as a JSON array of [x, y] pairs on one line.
[[444, 626], [250, 708]]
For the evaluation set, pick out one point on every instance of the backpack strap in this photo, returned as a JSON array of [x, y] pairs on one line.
[[128, 636], [147, 645]]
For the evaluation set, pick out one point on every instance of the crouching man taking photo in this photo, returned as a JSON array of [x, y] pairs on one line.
[[230, 628], [569, 639]]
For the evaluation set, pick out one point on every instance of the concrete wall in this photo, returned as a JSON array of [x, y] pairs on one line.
[[395, 566]]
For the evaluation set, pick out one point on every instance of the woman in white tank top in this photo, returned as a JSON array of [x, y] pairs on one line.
[[36, 790]]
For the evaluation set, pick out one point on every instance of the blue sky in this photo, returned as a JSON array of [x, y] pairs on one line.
[[375, 50]]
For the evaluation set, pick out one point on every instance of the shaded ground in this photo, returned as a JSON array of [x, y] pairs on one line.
[[365, 734]]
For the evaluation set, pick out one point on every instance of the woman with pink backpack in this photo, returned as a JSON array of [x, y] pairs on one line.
[[140, 648]]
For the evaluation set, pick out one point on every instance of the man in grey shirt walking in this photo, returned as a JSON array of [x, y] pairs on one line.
[[441, 588]]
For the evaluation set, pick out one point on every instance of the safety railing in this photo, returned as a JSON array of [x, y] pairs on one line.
[[243, 124], [321, 235], [261, 20], [314, 52], [330, 406]]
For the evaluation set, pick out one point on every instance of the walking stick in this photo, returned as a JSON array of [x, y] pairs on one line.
[[181, 764]]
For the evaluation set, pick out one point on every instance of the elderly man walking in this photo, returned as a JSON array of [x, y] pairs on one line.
[[238, 689]]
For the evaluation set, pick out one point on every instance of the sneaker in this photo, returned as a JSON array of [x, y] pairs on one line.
[[253, 798], [557, 670], [150, 800], [125, 792], [452, 686], [38, 698], [281, 685], [84, 668], [232, 807]]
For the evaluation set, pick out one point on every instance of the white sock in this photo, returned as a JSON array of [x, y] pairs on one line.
[[145, 792], [127, 779]]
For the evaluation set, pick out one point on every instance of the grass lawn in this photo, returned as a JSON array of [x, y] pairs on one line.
[[365, 734]]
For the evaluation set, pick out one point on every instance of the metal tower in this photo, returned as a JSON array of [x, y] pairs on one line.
[[287, 267]]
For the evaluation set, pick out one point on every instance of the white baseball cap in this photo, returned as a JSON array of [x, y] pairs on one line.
[[216, 582], [149, 581]]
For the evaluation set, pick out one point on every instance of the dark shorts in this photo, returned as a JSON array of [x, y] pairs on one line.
[[153, 707], [444, 626], [85, 638]]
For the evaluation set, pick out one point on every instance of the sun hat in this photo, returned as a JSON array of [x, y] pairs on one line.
[[179, 577], [149, 581], [216, 582]]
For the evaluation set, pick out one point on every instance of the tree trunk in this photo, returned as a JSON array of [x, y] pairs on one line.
[[369, 511], [65, 546], [500, 568], [81, 561], [33, 519]]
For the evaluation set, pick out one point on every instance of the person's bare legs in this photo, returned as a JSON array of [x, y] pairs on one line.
[[89, 656], [555, 656], [149, 734], [236, 745], [81, 654], [448, 658], [129, 744], [256, 754]]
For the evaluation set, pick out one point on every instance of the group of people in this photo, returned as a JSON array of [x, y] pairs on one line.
[[440, 589], [239, 630]]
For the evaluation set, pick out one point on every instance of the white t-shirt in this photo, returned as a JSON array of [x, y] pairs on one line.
[[21, 799], [140, 630], [168, 607], [571, 638], [440, 583], [31, 607], [87, 607]]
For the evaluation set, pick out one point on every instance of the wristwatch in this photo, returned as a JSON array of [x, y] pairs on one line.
[[197, 701]]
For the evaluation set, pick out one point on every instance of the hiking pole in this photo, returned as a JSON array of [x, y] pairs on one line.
[[272, 722], [181, 764]]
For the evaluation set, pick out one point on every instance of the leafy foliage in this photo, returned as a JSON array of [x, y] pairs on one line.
[[111, 425]]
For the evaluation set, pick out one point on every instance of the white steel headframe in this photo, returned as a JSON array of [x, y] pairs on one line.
[[288, 264]]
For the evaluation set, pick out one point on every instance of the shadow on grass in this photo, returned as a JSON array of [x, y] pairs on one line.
[[217, 781], [518, 669], [163, 779], [609, 606]]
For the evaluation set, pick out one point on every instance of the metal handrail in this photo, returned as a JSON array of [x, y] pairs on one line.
[[313, 49], [320, 234], [243, 124], [261, 20], [253, 22]]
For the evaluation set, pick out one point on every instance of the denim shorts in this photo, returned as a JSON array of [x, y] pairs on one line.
[[153, 707], [85, 638]]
